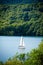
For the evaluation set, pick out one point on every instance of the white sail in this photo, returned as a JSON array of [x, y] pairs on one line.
[[22, 43]]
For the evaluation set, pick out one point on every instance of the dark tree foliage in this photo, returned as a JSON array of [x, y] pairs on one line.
[[21, 19]]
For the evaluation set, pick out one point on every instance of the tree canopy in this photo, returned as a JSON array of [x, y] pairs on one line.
[[21, 19]]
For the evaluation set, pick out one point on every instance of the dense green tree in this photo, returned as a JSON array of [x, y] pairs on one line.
[[1, 63], [35, 56], [21, 19]]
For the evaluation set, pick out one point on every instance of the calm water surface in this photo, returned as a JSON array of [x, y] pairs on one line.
[[9, 45]]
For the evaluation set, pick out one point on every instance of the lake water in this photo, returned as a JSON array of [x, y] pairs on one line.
[[9, 45]]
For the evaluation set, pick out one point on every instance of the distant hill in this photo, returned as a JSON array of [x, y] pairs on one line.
[[19, 1], [21, 19]]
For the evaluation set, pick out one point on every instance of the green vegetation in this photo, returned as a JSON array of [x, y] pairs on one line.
[[35, 57], [21, 19]]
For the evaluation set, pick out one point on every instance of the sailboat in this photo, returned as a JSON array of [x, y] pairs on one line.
[[21, 45]]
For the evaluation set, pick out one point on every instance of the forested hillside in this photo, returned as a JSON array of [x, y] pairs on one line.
[[21, 19], [19, 1]]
